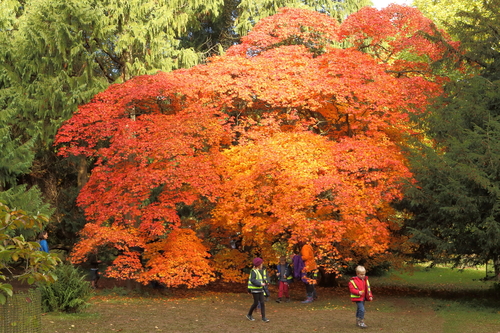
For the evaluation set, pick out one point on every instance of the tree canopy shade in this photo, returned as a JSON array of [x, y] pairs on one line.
[[285, 138]]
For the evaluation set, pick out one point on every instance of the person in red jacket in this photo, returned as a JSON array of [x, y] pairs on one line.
[[359, 286]]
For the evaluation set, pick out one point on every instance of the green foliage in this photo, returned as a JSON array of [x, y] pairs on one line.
[[70, 293], [445, 12], [29, 199], [19, 259], [454, 206], [16, 157], [478, 30]]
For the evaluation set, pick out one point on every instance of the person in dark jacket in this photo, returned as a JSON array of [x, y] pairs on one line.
[[256, 286], [359, 286]]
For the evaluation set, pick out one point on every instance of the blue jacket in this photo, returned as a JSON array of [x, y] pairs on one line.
[[44, 246]]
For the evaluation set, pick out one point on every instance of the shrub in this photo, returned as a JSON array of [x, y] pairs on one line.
[[70, 293]]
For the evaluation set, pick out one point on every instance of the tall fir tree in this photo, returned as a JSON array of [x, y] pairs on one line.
[[445, 12], [455, 203]]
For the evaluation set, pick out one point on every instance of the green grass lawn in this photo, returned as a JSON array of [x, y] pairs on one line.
[[438, 277], [434, 301]]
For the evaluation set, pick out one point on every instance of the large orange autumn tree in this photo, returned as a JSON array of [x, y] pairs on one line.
[[292, 135]]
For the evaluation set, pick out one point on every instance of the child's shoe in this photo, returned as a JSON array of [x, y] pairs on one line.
[[265, 320], [249, 317], [278, 300], [361, 323], [308, 300]]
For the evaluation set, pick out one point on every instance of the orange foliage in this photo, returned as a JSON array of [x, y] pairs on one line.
[[180, 259], [229, 263], [287, 137]]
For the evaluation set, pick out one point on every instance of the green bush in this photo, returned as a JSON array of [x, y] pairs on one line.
[[70, 293]]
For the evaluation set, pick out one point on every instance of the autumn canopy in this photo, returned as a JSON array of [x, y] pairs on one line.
[[292, 135]]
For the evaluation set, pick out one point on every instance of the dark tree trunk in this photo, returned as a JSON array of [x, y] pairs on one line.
[[82, 171], [496, 266], [327, 279]]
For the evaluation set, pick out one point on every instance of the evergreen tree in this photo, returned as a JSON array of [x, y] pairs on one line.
[[455, 203], [444, 12]]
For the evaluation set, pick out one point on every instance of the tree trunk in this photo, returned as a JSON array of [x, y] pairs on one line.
[[133, 285], [327, 279], [82, 171], [496, 266]]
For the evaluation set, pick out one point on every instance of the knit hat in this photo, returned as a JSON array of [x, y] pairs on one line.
[[257, 262]]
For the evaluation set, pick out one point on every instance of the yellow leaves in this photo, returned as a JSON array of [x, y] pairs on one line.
[[313, 188], [278, 182]]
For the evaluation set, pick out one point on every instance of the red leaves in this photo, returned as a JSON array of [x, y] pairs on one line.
[[285, 138], [290, 26]]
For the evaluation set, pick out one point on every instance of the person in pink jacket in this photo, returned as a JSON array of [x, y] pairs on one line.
[[359, 286]]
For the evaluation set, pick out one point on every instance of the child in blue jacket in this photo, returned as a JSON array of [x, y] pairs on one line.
[[285, 276]]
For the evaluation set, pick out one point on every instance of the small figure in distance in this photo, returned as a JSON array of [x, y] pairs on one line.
[[94, 273]]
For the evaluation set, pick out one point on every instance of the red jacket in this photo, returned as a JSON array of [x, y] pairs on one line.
[[356, 285]]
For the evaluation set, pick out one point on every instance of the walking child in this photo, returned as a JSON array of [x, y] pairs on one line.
[[265, 288], [359, 286], [285, 276], [256, 286]]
